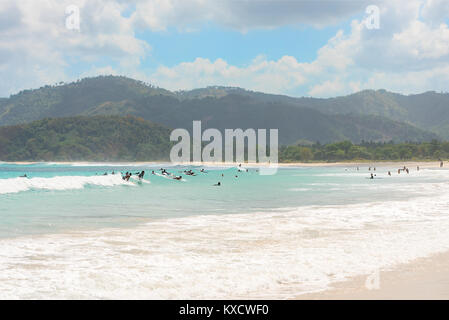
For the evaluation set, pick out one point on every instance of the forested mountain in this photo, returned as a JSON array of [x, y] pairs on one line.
[[85, 138], [367, 115]]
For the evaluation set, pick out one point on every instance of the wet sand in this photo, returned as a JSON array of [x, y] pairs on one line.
[[424, 278]]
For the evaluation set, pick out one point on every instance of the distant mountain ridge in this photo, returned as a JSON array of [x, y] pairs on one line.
[[368, 115]]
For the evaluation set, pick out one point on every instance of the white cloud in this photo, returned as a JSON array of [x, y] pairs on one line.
[[261, 74], [407, 53], [244, 15], [36, 48]]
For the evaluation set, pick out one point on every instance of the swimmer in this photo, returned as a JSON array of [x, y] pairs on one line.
[[372, 176], [217, 184], [24, 176], [389, 173]]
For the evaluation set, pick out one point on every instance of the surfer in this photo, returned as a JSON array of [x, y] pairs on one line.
[[24, 176], [217, 184], [372, 176], [141, 175], [177, 177]]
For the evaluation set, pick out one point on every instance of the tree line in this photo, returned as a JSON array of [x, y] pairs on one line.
[[346, 150]]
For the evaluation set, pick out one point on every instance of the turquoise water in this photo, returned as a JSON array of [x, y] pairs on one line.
[[68, 231], [45, 206]]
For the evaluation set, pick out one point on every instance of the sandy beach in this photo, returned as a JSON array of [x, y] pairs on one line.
[[399, 164], [425, 278]]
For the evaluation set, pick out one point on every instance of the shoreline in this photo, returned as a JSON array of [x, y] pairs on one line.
[[425, 278], [421, 163]]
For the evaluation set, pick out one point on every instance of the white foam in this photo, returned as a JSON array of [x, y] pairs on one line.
[[278, 254], [14, 185]]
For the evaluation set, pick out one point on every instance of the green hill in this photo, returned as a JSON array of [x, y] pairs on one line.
[[357, 117], [85, 138]]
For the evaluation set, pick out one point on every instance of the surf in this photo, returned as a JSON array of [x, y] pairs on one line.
[[15, 185]]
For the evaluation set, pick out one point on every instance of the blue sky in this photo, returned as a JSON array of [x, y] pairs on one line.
[[296, 47], [212, 41]]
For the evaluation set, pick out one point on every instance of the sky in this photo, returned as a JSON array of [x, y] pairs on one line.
[[294, 47]]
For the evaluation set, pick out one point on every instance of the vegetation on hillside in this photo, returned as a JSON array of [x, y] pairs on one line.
[[345, 150], [324, 120], [99, 138]]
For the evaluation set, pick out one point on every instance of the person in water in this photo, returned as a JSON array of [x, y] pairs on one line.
[[389, 173], [141, 175], [372, 176], [217, 184], [24, 176]]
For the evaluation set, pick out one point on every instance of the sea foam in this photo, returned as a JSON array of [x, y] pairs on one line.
[[14, 185]]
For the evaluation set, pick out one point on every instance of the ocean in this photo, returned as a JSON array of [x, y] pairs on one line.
[[67, 231]]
